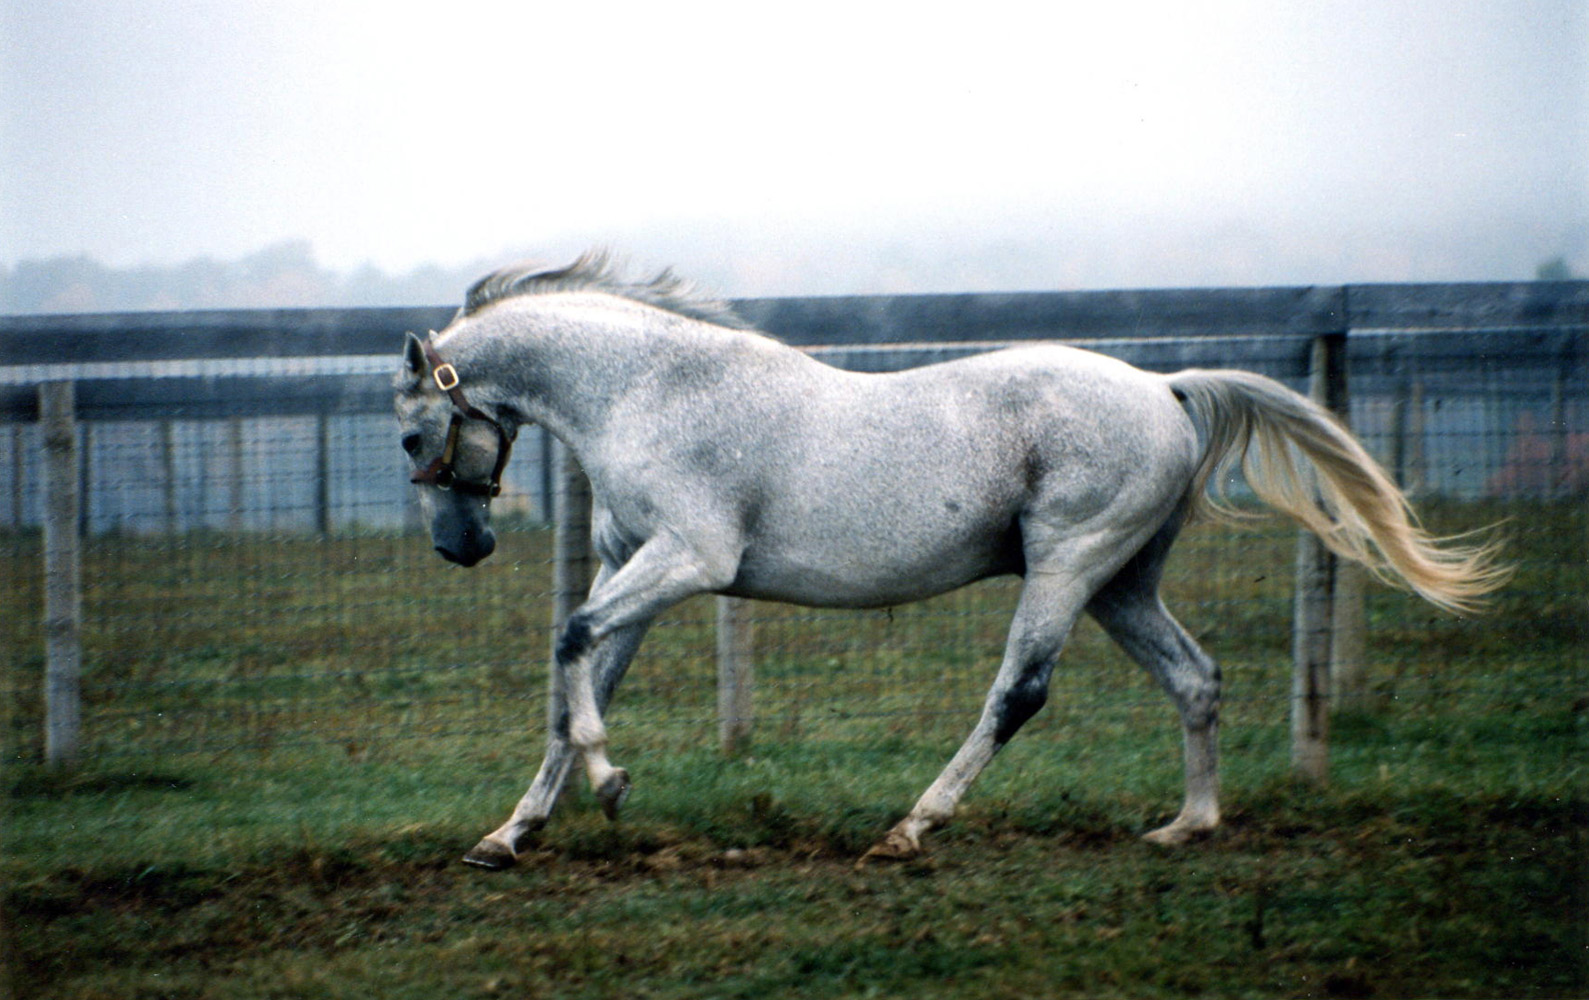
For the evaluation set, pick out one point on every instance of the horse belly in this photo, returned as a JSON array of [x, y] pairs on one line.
[[885, 566]]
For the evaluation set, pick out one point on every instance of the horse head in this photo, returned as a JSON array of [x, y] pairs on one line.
[[458, 453]]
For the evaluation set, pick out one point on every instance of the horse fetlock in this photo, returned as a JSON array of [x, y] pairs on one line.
[[587, 735], [1200, 709], [520, 833]]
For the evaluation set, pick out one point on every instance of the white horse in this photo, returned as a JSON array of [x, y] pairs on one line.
[[722, 461]]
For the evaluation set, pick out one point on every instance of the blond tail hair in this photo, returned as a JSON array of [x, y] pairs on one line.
[[1341, 494]]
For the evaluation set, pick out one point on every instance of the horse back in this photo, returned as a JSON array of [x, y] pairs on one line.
[[866, 489]]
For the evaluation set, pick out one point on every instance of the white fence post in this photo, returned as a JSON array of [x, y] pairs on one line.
[[63, 577], [735, 674]]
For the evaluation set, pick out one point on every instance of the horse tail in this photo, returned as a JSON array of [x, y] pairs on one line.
[[1342, 495]]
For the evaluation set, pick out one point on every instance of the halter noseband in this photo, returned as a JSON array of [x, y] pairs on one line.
[[439, 472]]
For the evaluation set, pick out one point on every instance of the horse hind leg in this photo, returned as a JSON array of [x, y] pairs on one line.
[[1130, 610], [1049, 605]]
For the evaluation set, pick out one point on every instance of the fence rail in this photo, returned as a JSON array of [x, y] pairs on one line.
[[278, 421]]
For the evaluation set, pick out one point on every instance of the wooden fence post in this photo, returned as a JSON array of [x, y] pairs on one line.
[[1310, 661], [85, 478], [18, 478], [1407, 445], [168, 477], [63, 577], [548, 476], [322, 474], [1560, 454], [1348, 620], [1313, 611], [234, 474], [1348, 639], [735, 674], [571, 557]]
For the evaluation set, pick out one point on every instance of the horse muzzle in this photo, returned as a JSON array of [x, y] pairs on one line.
[[463, 540], [469, 548]]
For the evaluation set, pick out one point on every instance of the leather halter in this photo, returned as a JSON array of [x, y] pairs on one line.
[[439, 473]]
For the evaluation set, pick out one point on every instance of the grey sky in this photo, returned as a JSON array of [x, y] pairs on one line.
[[1163, 143]]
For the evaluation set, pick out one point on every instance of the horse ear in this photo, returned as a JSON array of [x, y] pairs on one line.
[[414, 357]]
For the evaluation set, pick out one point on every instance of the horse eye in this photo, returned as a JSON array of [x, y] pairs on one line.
[[411, 443]]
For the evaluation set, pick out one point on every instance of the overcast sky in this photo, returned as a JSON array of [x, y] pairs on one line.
[[1113, 144]]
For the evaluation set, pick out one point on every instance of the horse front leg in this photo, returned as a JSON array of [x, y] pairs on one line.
[[578, 660], [662, 572], [500, 847]]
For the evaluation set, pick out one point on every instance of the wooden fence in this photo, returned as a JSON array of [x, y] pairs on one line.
[[66, 371]]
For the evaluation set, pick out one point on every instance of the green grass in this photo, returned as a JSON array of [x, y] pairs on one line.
[[735, 878], [291, 743]]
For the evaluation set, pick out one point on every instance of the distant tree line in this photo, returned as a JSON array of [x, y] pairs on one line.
[[284, 275], [1555, 269]]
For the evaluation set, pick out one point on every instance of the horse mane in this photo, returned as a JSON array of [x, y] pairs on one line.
[[594, 271]]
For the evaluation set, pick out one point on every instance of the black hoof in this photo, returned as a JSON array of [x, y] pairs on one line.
[[490, 855], [613, 792]]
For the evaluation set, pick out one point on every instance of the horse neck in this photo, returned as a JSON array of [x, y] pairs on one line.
[[559, 371]]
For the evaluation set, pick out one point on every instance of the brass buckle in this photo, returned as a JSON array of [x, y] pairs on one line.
[[446, 377]]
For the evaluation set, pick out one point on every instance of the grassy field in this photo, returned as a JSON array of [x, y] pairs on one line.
[[291, 743]]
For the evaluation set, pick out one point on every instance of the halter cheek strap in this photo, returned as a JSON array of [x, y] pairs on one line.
[[439, 472]]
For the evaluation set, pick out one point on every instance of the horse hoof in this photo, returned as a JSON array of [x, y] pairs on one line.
[[490, 855], [613, 792], [894, 847], [1177, 834]]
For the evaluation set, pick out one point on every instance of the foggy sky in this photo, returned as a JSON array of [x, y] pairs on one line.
[[818, 147]]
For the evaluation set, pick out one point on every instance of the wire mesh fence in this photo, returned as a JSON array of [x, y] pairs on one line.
[[257, 583]]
